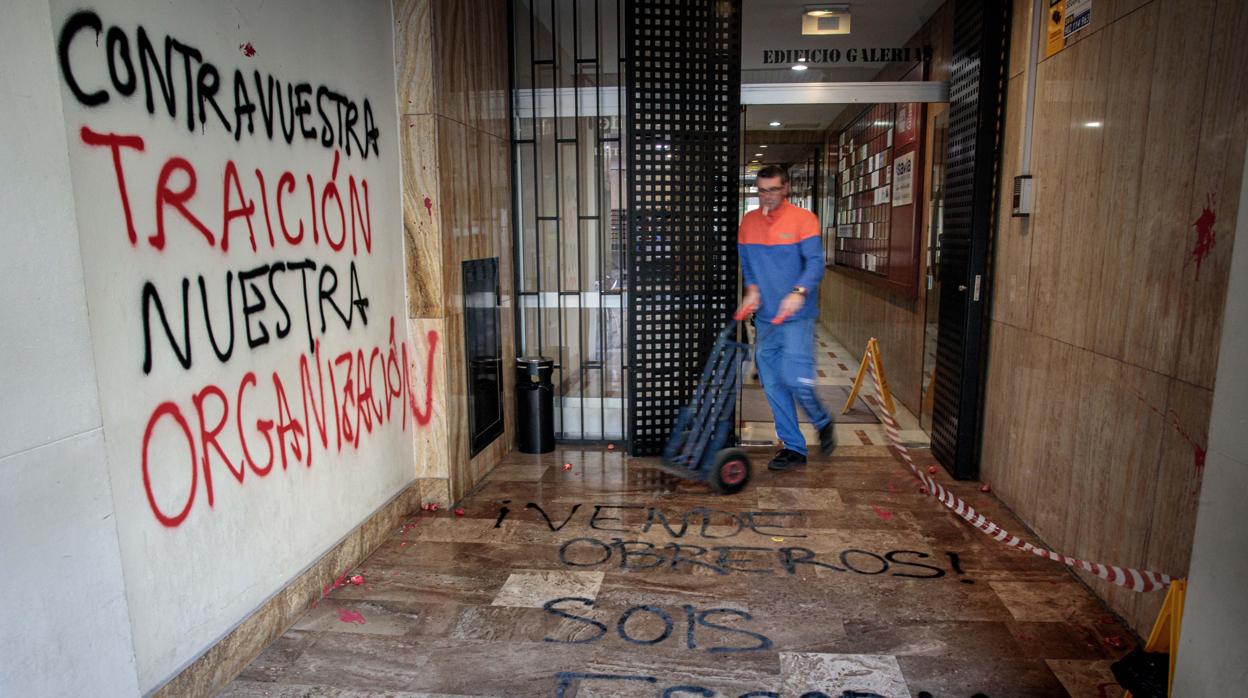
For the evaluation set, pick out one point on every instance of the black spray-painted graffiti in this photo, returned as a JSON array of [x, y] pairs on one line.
[[344, 123], [565, 680], [711, 523], [693, 621], [251, 304], [634, 555]]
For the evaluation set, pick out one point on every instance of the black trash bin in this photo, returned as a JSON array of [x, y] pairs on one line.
[[535, 405]]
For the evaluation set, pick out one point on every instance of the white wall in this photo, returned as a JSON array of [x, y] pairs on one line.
[[66, 628], [141, 518], [1213, 648]]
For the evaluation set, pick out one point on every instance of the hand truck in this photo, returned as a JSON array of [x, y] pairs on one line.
[[696, 448]]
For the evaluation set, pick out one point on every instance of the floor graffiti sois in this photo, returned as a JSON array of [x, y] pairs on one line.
[[611, 578]]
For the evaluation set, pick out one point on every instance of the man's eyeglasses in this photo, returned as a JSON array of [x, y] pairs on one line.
[[771, 190]]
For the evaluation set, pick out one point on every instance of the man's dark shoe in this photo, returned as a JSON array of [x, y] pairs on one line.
[[786, 459], [827, 438]]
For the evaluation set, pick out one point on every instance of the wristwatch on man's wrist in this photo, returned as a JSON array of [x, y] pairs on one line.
[[800, 290]]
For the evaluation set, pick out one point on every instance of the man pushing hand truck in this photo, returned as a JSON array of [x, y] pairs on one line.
[[781, 256]]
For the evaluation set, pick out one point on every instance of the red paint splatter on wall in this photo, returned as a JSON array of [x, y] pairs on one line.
[[350, 617], [423, 416], [1205, 237], [247, 49], [429, 206], [1172, 417]]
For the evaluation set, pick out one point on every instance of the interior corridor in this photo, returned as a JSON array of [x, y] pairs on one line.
[[837, 579]]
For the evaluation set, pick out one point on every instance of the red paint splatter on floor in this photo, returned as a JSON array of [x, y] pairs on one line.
[[429, 206], [884, 514], [337, 583], [347, 616], [247, 49], [1116, 642], [357, 579], [1205, 236]]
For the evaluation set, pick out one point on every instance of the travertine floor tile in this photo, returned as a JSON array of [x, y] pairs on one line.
[[533, 589]]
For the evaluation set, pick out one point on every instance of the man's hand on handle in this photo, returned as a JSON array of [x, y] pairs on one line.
[[749, 303], [790, 305]]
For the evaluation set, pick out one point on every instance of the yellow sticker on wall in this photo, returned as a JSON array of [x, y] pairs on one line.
[[1054, 22]]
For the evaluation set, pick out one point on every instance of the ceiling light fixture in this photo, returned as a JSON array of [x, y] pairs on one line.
[[774, 123], [762, 146], [825, 18], [1093, 124], [758, 155], [799, 67]]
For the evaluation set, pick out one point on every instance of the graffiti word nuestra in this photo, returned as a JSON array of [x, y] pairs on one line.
[[636, 555], [136, 70], [368, 388], [178, 181], [260, 289]]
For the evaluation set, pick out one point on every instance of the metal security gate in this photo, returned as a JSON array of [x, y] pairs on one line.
[[683, 108], [569, 207], [976, 113]]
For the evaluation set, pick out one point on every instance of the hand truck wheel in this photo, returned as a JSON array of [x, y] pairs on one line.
[[731, 471]]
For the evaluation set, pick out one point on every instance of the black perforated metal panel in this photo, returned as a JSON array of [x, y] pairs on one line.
[[683, 108], [976, 108]]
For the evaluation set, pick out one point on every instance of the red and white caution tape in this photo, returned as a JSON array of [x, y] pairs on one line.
[[1128, 577]]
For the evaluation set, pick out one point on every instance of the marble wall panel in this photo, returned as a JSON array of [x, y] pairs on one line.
[[1104, 14], [421, 227], [1078, 236], [413, 55], [1012, 264], [1020, 37], [1121, 159], [1048, 153], [1176, 105], [1223, 132]]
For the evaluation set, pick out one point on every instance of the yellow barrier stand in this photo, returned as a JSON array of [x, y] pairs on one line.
[[1165, 634], [871, 358]]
